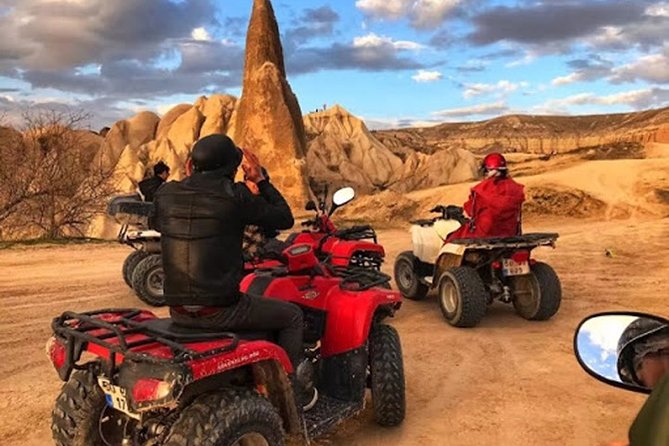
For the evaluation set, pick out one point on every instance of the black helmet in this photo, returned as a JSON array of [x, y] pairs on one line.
[[637, 331], [215, 152]]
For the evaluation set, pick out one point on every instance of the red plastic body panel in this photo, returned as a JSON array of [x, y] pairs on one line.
[[343, 250], [349, 313]]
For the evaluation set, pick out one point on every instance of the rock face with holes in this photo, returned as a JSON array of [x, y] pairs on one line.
[[268, 119], [341, 150]]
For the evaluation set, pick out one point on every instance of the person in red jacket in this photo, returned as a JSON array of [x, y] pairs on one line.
[[495, 204]]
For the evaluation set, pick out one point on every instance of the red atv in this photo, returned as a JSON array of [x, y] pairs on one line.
[[355, 246], [134, 379], [143, 269]]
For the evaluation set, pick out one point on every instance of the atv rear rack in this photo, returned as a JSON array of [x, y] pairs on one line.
[[75, 328], [359, 279], [522, 241], [364, 232]]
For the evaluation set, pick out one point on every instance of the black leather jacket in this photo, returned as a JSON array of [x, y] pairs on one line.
[[201, 220], [149, 187]]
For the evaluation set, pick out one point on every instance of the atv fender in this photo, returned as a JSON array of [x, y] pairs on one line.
[[450, 256], [350, 317]]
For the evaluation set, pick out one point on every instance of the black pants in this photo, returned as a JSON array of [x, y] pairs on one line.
[[256, 313]]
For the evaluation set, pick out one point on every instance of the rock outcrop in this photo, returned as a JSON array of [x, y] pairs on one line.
[[268, 119], [535, 134], [342, 151]]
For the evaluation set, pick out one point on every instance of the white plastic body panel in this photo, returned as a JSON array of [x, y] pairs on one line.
[[429, 240]]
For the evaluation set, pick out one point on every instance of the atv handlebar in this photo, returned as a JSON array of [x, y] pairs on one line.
[[451, 212]]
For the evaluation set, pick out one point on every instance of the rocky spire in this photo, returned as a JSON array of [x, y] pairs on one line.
[[268, 119]]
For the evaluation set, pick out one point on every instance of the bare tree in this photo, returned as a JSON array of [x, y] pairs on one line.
[[49, 185]]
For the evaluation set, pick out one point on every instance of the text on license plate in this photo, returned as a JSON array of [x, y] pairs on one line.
[[116, 397], [513, 268]]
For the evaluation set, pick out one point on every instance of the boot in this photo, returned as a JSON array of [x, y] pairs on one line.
[[306, 394]]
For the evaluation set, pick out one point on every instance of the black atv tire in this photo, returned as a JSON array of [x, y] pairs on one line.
[[76, 416], [546, 293], [148, 280], [130, 263], [468, 301], [406, 279], [224, 417], [387, 375]]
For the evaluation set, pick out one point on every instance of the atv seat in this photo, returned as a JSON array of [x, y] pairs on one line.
[[169, 329]]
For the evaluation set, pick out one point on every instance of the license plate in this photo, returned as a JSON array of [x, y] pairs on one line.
[[513, 268], [116, 397]]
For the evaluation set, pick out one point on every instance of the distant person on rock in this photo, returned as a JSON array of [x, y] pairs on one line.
[[494, 208], [149, 186]]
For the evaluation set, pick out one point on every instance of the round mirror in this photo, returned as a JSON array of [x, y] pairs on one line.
[[343, 196], [628, 350]]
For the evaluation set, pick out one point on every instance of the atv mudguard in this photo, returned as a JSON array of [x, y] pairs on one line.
[[349, 313]]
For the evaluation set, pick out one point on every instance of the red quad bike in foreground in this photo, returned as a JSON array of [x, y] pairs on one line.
[[143, 269], [132, 378]]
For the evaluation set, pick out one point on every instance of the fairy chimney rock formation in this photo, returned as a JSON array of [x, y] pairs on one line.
[[268, 119]]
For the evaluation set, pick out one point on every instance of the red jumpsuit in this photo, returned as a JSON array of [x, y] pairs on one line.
[[494, 207]]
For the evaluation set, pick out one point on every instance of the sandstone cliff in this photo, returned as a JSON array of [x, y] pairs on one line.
[[535, 134], [341, 150]]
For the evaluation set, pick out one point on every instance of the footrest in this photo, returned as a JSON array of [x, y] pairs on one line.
[[328, 413]]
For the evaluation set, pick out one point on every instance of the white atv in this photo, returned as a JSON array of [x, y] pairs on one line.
[[470, 274]]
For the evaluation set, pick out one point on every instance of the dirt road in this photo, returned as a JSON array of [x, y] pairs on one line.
[[507, 381]]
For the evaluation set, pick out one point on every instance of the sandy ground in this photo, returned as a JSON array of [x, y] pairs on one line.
[[507, 381]]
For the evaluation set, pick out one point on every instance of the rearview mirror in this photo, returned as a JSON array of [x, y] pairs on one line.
[[624, 349], [311, 206], [343, 196]]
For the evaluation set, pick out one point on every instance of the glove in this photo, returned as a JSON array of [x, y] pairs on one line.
[[438, 209]]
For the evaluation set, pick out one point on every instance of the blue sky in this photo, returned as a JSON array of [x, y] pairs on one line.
[[392, 62]]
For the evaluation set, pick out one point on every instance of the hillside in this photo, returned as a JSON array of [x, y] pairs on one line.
[[535, 134]]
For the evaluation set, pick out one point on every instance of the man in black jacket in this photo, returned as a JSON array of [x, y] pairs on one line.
[[201, 220], [149, 186]]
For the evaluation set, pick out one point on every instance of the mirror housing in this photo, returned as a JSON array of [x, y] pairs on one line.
[[628, 350], [341, 197], [311, 206]]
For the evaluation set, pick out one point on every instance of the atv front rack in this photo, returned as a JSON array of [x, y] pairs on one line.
[[522, 241], [114, 333]]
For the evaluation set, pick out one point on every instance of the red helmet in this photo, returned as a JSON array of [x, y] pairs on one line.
[[494, 161]]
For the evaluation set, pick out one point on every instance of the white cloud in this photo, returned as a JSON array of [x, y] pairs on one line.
[[200, 34], [423, 14], [658, 10], [502, 87], [605, 331], [373, 40], [475, 110], [427, 76], [384, 9], [652, 68], [568, 79], [636, 99], [609, 36], [428, 14]]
